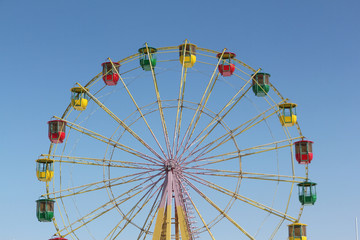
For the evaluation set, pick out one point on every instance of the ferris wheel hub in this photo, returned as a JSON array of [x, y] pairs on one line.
[[170, 164]]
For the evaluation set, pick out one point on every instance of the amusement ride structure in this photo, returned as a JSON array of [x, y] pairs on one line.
[[176, 143]]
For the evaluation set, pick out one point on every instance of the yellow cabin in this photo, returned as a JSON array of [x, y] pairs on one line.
[[187, 54], [44, 169], [287, 115], [297, 231], [79, 98]]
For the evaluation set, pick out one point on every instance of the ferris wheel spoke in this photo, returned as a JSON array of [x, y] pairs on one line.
[[249, 124], [118, 120], [178, 120], [138, 108], [200, 113], [202, 104], [269, 146], [196, 209], [93, 215], [276, 229], [211, 160], [103, 162], [243, 152], [216, 120], [95, 186], [179, 109], [273, 177], [242, 174], [106, 163], [163, 122], [130, 216], [240, 197], [179, 114], [254, 176], [230, 135], [231, 156], [237, 131], [110, 141], [104, 208], [222, 212]]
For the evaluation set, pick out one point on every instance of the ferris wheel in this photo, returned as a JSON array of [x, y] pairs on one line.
[[176, 143]]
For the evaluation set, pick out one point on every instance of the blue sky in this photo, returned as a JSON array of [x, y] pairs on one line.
[[311, 49]]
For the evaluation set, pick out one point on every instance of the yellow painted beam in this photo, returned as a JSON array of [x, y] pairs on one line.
[[183, 224], [159, 224], [168, 222]]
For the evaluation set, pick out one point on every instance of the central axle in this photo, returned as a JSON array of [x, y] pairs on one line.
[[170, 164]]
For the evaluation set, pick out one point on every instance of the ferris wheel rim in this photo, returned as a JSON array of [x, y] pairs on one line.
[[133, 57]]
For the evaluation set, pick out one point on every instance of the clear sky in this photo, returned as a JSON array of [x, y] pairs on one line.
[[310, 47]]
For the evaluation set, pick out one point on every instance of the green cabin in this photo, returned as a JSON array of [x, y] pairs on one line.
[[147, 58], [307, 193], [45, 210], [260, 84]]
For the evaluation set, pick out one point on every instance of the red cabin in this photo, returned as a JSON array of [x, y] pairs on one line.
[[110, 75], [57, 131], [303, 151], [226, 68]]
